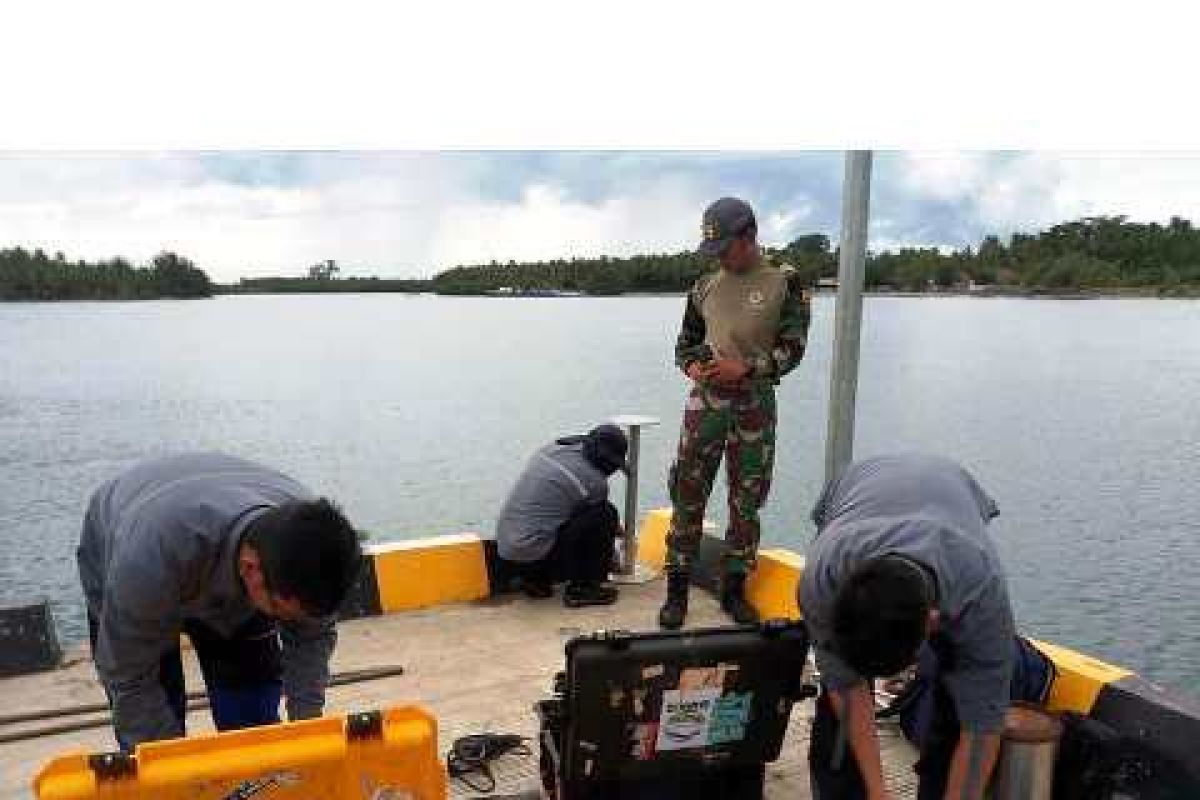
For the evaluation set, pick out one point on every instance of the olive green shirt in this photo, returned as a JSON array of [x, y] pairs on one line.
[[761, 317]]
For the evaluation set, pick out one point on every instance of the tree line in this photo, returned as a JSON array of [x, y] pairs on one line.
[[34, 275], [1098, 253], [1093, 253]]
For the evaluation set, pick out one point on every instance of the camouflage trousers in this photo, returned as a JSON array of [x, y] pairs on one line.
[[738, 424]]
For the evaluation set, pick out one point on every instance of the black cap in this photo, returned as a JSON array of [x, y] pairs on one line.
[[724, 221], [605, 446]]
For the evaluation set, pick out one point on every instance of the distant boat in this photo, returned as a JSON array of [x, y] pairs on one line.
[[509, 291]]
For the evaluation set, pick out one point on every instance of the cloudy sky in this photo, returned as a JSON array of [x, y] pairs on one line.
[[242, 214]]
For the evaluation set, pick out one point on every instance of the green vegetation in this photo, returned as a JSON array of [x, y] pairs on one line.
[[328, 286], [1095, 253], [1100, 253], [1106, 254], [605, 275], [26, 275], [323, 278]]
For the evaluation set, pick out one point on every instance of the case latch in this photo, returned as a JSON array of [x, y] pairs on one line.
[[364, 725], [110, 766]]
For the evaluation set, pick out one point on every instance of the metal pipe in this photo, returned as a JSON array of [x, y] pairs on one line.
[[631, 498], [843, 380], [196, 700], [629, 572], [1028, 751]]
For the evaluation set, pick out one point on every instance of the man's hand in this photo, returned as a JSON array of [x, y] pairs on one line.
[[699, 371], [728, 371], [855, 707]]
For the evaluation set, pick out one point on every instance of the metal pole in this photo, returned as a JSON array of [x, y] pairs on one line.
[[843, 380], [630, 570], [631, 490]]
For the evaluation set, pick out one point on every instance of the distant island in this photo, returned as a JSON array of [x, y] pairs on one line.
[[1093, 255], [35, 276]]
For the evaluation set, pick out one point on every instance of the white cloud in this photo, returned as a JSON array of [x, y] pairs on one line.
[[1031, 190], [944, 176], [413, 213], [780, 227], [653, 216]]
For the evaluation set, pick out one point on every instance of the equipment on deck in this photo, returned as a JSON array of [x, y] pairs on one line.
[[692, 713], [377, 755]]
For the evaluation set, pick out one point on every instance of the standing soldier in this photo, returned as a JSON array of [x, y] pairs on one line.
[[745, 326]]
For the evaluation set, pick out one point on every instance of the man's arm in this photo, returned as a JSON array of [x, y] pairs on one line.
[[690, 346], [974, 760], [138, 622], [792, 338], [980, 687], [307, 648], [855, 708], [851, 698]]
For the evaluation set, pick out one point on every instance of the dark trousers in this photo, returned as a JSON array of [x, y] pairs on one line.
[[582, 552], [242, 673], [832, 768]]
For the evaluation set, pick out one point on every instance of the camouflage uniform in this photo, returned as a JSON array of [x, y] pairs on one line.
[[737, 422]]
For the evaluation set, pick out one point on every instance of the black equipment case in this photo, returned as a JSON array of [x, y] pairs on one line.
[[692, 713]]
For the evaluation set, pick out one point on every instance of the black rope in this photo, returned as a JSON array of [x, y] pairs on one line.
[[474, 754]]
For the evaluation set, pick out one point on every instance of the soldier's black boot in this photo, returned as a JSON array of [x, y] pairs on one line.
[[578, 594], [674, 611], [733, 599]]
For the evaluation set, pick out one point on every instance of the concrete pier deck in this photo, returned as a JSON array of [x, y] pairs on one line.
[[476, 666]]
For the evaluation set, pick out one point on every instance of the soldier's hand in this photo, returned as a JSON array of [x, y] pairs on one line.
[[699, 371], [728, 371]]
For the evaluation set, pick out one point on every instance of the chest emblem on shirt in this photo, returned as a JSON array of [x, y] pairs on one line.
[[755, 300]]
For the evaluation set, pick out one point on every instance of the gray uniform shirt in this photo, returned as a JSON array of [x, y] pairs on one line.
[[159, 545], [557, 482], [930, 510]]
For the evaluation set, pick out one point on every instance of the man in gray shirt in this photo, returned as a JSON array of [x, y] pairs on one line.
[[557, 523], [902, 562], [222, 549]]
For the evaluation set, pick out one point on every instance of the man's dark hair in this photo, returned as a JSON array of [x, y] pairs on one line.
[[880, 613], [309, 551]]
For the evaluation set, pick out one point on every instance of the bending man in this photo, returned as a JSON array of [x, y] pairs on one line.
[[246, 561], [902, 565]]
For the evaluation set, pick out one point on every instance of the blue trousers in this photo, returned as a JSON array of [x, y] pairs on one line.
[[242, 674], [932, 724]]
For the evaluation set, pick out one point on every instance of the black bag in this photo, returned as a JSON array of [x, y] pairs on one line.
[[673, 714]]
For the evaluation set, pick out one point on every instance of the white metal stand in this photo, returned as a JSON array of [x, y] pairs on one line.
[[631, 571]]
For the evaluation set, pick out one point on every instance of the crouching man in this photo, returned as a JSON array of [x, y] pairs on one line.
[[902, 566], [557, 524], [247, 562]]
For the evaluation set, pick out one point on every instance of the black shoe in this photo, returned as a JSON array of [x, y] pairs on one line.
[[674, 611], [733, 599], [538, 590], [577, 595]]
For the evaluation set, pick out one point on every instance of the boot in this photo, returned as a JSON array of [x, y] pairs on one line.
[[588, 593], [675, 609], [733, 599], [537, 589]]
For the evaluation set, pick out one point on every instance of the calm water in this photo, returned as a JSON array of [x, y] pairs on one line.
[[415, 412]]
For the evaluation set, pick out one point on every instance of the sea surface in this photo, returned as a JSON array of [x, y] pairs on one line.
[[1082, 418]]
